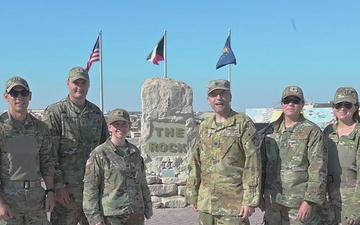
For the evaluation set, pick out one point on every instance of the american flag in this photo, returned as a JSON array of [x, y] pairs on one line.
[[95, 55]]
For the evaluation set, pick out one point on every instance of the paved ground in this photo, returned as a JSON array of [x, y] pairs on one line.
[[186, 216]]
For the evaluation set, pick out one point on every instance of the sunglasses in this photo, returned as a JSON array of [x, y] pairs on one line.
[[347, 105], [215, 94], [15, 94], [293, 100]]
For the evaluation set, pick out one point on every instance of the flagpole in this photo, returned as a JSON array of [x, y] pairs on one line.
[[165, 55], [101, 73], [229, 66]]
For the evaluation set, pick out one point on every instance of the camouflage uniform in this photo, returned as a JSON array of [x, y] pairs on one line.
[[115, 185], [294, 170], [344, 175], [77, 132], [343, 186], [225, 167], [26, 158]]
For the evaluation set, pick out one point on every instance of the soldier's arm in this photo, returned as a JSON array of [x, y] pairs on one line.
[[145, 192], [263, 169], [47, 168], [194, 178], [92, 180], [353, 210], [53, 121], [250, 142], [47, 165], [317, 171], [105, 131], [5, 211]]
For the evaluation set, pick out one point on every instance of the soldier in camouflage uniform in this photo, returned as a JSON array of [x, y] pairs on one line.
[[78, 127], [26, 158], [343, 141], [115, 187], [294, 165], [224, 179]]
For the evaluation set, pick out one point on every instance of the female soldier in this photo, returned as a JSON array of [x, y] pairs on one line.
[[343, 139], [294, 165], [115, 187]]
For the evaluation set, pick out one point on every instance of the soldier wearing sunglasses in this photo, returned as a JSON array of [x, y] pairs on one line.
[[343, 141], [26, 159], [78, 127], [294, 165]]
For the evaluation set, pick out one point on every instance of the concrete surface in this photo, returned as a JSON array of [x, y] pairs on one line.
[[186, 216]]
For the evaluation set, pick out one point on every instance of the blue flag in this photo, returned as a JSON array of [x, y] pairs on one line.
[[227, 57]]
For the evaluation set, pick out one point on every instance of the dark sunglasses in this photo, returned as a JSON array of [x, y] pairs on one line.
[[15, 94], [293, 100], [339, 105]]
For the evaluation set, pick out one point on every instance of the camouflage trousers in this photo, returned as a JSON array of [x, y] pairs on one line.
[[73, 213], [26, 205], [208, 219], [276, 214], [129, 219]]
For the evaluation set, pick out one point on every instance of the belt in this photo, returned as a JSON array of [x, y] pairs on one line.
[[21, 184]]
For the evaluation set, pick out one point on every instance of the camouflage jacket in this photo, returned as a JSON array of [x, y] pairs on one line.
[[344, 172], [76, 133], [294, 163], [19, 162], [225, 166], [115, 183]]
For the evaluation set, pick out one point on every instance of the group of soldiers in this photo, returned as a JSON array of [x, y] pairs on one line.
[[291, 169], [294, 171], [54, 152]]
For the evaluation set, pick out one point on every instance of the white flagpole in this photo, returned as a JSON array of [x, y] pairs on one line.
[[165, 55], [101, 73]]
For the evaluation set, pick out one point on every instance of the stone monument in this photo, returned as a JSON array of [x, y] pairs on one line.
[[168, 130]]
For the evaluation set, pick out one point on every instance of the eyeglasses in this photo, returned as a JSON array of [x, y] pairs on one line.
[[347, 105], [215, 94], [293, 100], [15, 94]]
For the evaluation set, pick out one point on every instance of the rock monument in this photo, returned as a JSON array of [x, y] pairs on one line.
[[168, 130]]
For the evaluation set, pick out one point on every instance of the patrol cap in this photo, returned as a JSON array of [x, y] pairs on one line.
[[346, 94], [218, 84], [78, 73], [118, 114], [16, 81], [293, 91]]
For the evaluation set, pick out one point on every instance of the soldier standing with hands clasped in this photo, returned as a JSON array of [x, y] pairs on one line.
[[78, 127], [26, 158], [115, 186], [294, 165], [224, 179]]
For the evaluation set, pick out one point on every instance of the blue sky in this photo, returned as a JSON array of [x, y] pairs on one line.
[[312, 44]]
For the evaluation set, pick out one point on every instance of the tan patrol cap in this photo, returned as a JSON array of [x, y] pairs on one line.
[[293, 91], [16, 81], [78, 73], [346, 94], [218, 84], [118, 114]]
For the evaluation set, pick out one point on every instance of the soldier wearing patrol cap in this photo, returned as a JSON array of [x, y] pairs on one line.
[[224, 179], [115, 187], [78, 127], [294, 165], [343, 141], [26, 159]]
